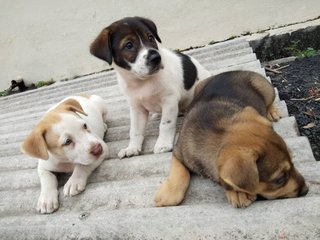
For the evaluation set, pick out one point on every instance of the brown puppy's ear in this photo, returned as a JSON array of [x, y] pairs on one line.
[[73, 106], [151, 26], [238, 169], [35, 144], [101, 46]]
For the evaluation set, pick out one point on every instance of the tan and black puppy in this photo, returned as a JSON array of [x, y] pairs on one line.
[[227, 137]]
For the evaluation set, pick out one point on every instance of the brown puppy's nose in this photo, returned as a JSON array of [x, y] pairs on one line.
[[303, 191], [96, 150]]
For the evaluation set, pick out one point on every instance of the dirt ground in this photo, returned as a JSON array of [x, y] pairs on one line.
[[298, 84]]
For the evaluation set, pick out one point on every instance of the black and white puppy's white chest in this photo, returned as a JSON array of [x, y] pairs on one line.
[[153, 79], [176, 78]]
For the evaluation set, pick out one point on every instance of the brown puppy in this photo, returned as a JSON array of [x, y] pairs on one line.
[[226, 137]]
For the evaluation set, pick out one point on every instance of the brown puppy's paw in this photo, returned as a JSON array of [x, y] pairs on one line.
[[167, 195], [273, 114], [240, 199]]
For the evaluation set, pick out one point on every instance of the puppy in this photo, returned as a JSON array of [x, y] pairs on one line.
[[152, 78], [226, 137], [67, 139]]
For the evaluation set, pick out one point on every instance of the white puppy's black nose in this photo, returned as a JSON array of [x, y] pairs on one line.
[[153, 57], [96, 150]]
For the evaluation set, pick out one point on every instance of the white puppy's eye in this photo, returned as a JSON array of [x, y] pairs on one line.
[[85, 126], [129, 45], [67, 142]]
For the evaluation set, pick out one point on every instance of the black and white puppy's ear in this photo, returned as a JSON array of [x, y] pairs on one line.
[[151, 26], [101, 46]]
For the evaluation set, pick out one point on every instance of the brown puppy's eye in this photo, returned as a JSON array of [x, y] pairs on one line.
[[85, 126], [281, 180], [67, 142], [129, 45]]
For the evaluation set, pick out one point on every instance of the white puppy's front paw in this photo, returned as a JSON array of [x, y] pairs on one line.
[[48, 202], [74, 186], [162, 146], [129, 152]]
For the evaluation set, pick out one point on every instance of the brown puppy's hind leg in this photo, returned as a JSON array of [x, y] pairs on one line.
[[272, 113], [173, 190], [265, 88]]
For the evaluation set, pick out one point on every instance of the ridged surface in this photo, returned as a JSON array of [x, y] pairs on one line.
[[118, 200]]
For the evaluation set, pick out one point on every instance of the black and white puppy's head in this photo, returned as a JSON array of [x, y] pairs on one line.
[[131, 44]]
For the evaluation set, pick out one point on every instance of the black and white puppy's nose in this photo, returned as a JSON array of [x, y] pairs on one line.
[[153, 57]]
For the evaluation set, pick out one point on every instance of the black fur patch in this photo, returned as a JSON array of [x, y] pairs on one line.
[[190, 73]]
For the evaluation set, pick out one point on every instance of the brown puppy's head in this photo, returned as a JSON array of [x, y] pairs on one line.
[[131, 44], [257, 161]]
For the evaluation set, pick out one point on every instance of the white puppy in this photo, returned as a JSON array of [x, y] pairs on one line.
[[69, 138], [152, 78]]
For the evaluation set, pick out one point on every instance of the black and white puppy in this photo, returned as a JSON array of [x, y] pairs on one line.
[[152, 78]]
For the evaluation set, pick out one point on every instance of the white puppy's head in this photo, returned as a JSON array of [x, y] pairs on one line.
[[63, 135]]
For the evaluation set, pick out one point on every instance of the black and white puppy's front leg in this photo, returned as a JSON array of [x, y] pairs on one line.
[[138, 122], [167, 128]]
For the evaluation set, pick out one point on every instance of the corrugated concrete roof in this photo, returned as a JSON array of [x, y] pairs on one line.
[[118, 200]]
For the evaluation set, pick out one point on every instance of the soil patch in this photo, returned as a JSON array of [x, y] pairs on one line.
[[299, 85]]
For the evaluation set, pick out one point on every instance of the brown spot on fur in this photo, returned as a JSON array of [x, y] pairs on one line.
[[70, 105], [35, 144]]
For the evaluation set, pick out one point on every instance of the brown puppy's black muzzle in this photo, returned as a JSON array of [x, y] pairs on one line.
[[153, 58], [303, 191]]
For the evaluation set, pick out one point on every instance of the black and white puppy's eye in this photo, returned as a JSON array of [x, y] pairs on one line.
[[151, 38], [129, 45], [67, 142], [85, 126]]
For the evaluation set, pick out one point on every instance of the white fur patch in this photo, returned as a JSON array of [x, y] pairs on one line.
[[140, 67]]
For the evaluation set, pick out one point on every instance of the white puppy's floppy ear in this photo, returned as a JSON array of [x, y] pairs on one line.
[[35, 144]]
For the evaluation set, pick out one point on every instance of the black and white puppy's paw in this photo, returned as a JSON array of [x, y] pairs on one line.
[[129, 152]]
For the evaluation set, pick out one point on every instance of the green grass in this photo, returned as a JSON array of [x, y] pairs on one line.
[[44, 83], [295, 50], [3, 93]]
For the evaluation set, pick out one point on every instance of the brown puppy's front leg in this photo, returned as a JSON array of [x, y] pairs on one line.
[[240, 199], [173, 190]]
